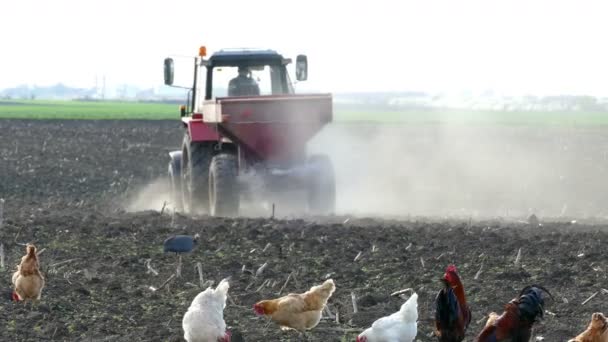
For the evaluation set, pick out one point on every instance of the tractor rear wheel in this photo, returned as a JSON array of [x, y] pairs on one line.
[[196, 158], [175, 183], [321, 186], [224, 194]]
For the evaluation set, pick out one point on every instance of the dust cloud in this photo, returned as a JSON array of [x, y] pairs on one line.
[[157, 194], [483, 171], [152, 196], [448, 170]]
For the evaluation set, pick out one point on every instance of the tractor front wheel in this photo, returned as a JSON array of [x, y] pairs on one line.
[[196, 158], [224, 194], [321, 186]]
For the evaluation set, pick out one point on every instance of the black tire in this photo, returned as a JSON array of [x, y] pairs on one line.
[[321, 186], [196, 158], [175, 183], [224, 193]]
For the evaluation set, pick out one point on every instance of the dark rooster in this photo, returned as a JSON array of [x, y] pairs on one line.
[[515, 323], [452, 313]]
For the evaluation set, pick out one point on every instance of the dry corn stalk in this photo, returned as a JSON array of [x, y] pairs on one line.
[[199, 269], [1, 211], [518, 257], [358, 256], [479, 272], [1, 256], [590, 298], [261, 269]]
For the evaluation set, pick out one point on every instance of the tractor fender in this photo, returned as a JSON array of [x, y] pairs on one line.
[[200, 131]]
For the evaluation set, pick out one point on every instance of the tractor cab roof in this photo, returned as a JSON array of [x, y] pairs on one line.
[[246, 57]]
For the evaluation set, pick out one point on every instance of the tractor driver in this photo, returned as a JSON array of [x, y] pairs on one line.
[[243, 84]]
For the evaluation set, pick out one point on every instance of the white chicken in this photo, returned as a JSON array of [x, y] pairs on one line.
[[401, 326], [204, 320]]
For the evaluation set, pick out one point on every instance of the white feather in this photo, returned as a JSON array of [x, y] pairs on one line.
[[401, 326], [204, 320]]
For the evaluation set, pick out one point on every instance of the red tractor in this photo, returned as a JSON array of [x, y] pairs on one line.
[[245, 133]]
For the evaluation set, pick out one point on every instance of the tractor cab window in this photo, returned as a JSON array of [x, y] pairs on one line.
[[200, 91], [246, 81]]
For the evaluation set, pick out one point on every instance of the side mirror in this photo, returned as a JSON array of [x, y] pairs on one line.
[[301, 68], [168, 71]]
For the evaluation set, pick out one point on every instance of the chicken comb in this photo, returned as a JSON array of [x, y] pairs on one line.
[[451, 268]]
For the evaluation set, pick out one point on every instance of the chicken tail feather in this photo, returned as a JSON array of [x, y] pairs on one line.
[[409, 309], [447, 307], [531, 302], [223, 286]]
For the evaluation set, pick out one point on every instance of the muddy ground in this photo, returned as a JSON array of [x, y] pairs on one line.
[[71, 187]]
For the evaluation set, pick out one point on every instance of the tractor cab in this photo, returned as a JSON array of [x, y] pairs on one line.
[[246, 73], [238, 72]]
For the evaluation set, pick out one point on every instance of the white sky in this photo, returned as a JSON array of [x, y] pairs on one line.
[[541, 47]]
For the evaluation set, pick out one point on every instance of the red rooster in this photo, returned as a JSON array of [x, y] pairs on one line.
[[515, 323], [452, 313]]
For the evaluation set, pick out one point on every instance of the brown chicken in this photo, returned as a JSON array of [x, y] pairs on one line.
[[520, 314], [597, 330], [27, 280], [299, 311]]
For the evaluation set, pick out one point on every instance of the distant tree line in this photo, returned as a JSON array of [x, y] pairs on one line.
[[350, 101]]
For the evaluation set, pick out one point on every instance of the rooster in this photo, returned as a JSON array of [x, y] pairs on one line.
[[27, 279], [401, 326], [597, 330], [515, 323], [452, 313], [298, 311], [204, 320]]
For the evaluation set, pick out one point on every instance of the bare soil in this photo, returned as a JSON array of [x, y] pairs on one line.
[[67, 185]]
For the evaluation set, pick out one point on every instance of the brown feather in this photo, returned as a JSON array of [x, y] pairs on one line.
[[28, 279], [300, 311], [597, 330]]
